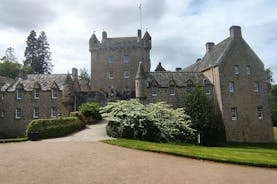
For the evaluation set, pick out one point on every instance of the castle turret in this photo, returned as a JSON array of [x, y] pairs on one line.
[[147, 41], [68, 92], [93, 42], [140, 82]]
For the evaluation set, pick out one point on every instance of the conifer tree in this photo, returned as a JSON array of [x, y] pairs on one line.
[[44, 54], [30, 53]]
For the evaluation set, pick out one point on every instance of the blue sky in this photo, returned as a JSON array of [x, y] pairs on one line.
[[179, 28]]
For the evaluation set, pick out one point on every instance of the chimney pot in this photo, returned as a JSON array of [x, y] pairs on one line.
[[178, 69], [75, 73], [209, 46], [235, 32], [104, 35]]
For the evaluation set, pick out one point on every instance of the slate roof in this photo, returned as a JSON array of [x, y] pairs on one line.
[[46, 82], [180, 78], [120, 42], [212, 58], [5, 82]]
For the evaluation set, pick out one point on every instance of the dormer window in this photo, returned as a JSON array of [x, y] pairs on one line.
[[54, 93], [19, 94], [236, 70], [36, 93]]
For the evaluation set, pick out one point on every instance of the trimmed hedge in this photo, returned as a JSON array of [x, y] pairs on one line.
[[79, 115], [90, 110], [56, 127]]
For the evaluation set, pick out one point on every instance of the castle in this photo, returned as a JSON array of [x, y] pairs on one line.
[[230, 73]]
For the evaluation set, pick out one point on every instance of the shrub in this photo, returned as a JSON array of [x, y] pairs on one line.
[[154, 122], [203, 117], [91, 112], [56, 127], [78, 114]]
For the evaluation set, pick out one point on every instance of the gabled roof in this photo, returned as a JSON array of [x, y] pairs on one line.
[[165, 79], [212, 58], [46, 82], [159, 68]]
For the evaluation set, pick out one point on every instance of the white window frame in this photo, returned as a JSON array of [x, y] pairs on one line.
[[154, 91], [256, 87], [248, 70], [36, 93], [19, 93], [54, 93], [17, 113], [236, 69], [54, 112], [126, 74], [125, 58], [234, 114], [260, 112], [35, 112], [110, 74], [172, 91], [231, 87], [110, 59]]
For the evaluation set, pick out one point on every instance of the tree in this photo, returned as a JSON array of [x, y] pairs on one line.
[[9, 69], [44, 54], [84, 74], [204, 117], [273, 103], [269, 77], [9, 55], [37, 53]]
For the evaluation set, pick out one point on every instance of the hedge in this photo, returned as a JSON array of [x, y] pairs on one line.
[[56, 127]]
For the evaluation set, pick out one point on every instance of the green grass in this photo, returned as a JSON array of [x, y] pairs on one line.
[[13, 140], [275, 134], [253, 154]]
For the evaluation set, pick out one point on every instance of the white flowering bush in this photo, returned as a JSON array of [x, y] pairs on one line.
[[157, 122]]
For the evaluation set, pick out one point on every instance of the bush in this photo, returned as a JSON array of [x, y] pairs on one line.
[[78, 114], [56, 127], [91, 112], [203, 118], [154, 122]]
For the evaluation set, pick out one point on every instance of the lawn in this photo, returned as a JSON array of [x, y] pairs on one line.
[[253, 154], [13, 140]]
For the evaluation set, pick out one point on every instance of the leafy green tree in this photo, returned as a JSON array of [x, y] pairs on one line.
[[269, 77], [273, 103], [44, 54], [84, 74], [37, 53], [9, 69], [204, 117]]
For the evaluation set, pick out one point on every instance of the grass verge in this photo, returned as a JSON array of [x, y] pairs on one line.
[[13, 140], [253, 154]]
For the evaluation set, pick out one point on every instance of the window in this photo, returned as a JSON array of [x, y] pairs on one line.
[[256, 87], [154, 91], [17, 113], [231, 87], [54, 112], [172, 90], [125, 58], [2, 114], [19, 94], [110, 74], [207, 87], [36, 112], [126, 74], [110, 59], [248, 70], [234, 113], [54, 93], [36, 93], [236, 70], [260, 112]]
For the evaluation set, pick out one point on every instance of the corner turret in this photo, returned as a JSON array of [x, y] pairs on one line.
[[140, 82], [93, 42], [147, 41]]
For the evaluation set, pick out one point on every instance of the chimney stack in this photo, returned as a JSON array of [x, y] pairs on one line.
[[198, 60], [235, 32], [178, 69], [75, 73], [104, 35], [209, 46]]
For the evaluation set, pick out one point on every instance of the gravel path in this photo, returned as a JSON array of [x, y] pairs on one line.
[[95, 162], [94, 132]]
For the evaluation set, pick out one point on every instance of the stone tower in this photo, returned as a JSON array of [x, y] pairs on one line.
[[114, 63]]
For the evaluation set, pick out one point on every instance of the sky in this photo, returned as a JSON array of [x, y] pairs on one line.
[[179, 28]]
